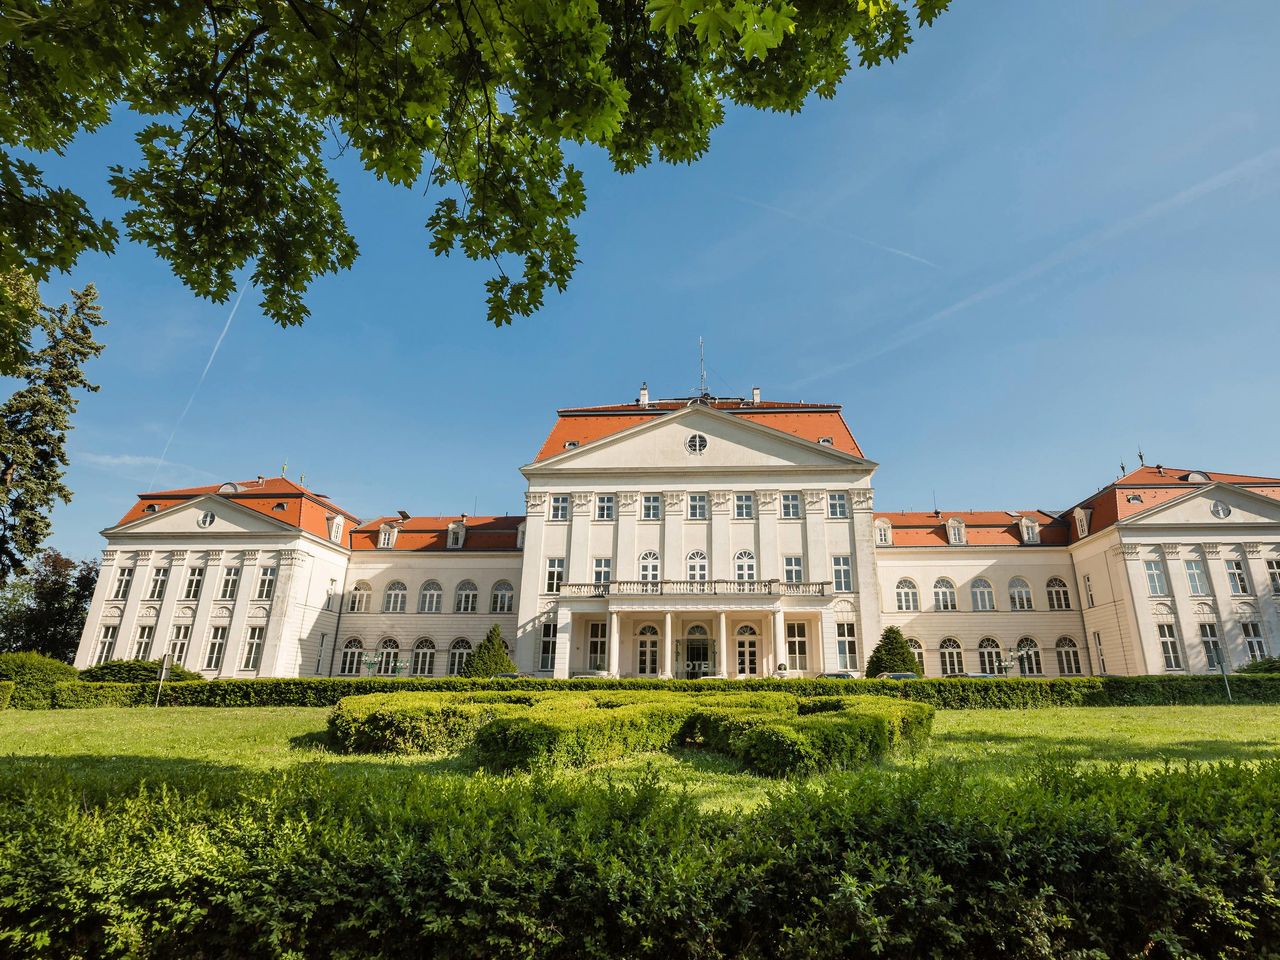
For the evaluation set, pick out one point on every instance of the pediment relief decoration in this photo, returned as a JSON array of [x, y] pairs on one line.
[[582, 500], [249, 556], [177, 556], [258, 612], [765, 499], [1253, 549], [113, 613], [1127, 551], [108, 557], [149, 613], [186, 613], [534, 502], [861, 499], [844, 608], [222, 613], [1171, 551], [1212, 549], [674, 499], [142, 556], [213, 556], [720, 498], [814, 498], [627, 499]]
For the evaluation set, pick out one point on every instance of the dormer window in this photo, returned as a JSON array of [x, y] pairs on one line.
[[955, 532], [884, 533], [386, 537], [1082, 521], [520, 537], [826, 441], [1133, 498], [570, 444], [1196, 476], [150, 508], [457, 534], [1030, 531], [279, 507], [335, 529]]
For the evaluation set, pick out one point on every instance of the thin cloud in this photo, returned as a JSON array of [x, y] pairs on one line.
[[133, 464], [1246, 169], [846, 234]]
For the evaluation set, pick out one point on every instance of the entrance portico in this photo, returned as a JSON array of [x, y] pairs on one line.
[[657, 629]]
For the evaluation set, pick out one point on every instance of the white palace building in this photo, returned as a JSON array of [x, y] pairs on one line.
[[692, 537]]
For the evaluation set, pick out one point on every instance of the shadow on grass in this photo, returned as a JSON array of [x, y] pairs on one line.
[[968, 748]]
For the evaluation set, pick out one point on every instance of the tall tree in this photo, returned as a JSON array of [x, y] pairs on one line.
[[477, 98], [43, 610], [34, 422], [892, 654]]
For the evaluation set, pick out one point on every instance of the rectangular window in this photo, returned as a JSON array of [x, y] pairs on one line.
[[1197, 579], [106, 645], [846, 646], [842, 574], [603, 569], [555, 574], [1253, 643], [697, 568], [838, 506], [793, 569], [1237, 578], [748, 656], [1169, 646], [329, 594], [1212, 648], [647, 649], [597, 646], [744, 506], [159, 580], [1088, 592], [797, 648], [253, 648], [230, 583], [604, 506], [1273, 571], [195, 580], [266, 583], [651, 507], [142, 645], [547, 655], [124, 577], [697, 506], [882, 534], [1156, 584], [560, 506], [791, 509], [1097, 645], [217, 647], [178, 642]]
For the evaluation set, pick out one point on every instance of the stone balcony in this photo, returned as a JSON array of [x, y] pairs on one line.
[[695, 588]]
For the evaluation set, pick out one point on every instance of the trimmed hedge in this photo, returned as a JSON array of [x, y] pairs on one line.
[[34, 676], [135, 671], [6, 692], [771, 733], [1062, 862], [953, 694]]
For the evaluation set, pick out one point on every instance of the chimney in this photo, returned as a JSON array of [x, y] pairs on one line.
[[261, 479], [644, 394], [1160, 469], [755, 395], [404, 514]]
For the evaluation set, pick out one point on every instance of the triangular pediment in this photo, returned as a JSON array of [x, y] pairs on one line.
[[672, 443], [229, 517], [1234, 506]]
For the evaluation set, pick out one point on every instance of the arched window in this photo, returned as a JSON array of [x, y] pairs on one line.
[[648, 630], [983, 595], [1029, 656], [647, 651], [467, 598], [650, 568], [388, 653], [502, 599], [351, 653], [908, 595], [431, 597], [989, 655], [360, 595], [459, 650], [944, 594], [744, 565], [697, 630], [1059, 596], [918, 650], [747, 630], [424, 658], [697, 565], [394, 599], [748, 650], [1068, 657], [951, 657], [1020, 595]]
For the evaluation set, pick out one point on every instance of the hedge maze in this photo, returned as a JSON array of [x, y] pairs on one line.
[[775, 734]]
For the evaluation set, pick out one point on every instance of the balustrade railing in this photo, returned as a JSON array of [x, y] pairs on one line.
[[686, 588]]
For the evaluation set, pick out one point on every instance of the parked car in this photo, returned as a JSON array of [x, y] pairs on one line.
[[839, 675], [981, 676], [897, 676]]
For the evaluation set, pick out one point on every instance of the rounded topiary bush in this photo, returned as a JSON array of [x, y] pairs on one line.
[[134, 671], [33, 677]]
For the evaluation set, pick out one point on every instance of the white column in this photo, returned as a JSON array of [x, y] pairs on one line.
[[779, 640], [615, 641], [667, 668], [723, 645]]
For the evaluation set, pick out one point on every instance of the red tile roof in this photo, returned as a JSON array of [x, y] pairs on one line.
[[302, 508], [983, 528], [808, 421], [432, 533], [1153, 486]]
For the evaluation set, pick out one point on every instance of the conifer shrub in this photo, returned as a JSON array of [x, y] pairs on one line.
[[34, 676], [892, 655], [490, 658]]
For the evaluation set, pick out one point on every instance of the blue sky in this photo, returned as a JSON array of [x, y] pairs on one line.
[[1046, 235]]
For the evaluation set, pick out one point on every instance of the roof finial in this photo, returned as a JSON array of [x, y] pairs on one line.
[[302, 479], [702, 370], [1123, 468], [284, 467], [1142, 461]]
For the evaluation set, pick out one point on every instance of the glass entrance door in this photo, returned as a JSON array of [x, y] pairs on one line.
[[698, 654]]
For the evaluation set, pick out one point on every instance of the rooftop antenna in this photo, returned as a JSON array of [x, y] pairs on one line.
[[702, 370], [1123, 469], [302, 479], [1142, 461]]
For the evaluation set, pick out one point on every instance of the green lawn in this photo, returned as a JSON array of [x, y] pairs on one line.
[[192, 744]]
